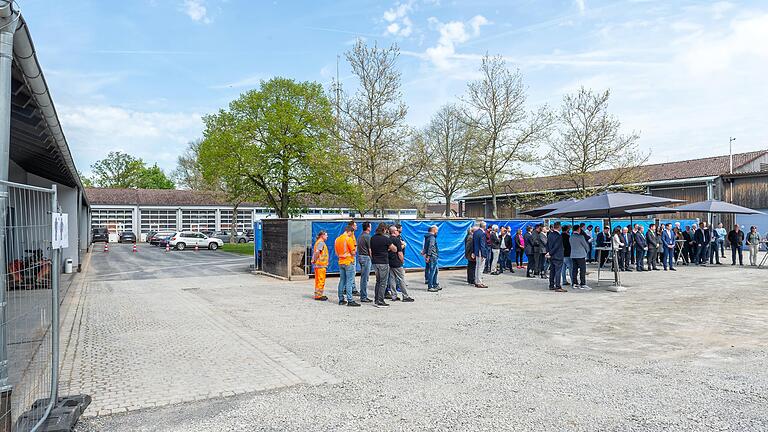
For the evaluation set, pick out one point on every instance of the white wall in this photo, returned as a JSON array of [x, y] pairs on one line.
[[68, 201]]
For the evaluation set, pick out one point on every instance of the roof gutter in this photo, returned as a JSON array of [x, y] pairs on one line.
[[650, 183], [26, 59]]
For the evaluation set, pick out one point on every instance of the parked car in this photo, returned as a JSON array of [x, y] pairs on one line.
[[99, 235], [157, 238], [224, 236], [149, 235], [249, 235], [163, 240], [182, 240], [127, 237]]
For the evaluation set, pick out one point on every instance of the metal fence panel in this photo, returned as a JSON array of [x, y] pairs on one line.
[[28, 304]]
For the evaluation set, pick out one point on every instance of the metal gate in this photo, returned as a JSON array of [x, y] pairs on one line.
[[29, 306]]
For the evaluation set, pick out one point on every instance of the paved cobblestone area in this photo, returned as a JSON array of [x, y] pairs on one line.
[[140, 344], [677, 351]]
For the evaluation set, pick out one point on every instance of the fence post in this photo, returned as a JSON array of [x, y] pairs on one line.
[[8, 21], [55, 274]]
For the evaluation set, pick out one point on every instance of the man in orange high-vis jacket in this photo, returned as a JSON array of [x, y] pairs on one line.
[[346, 247], [320, 261]]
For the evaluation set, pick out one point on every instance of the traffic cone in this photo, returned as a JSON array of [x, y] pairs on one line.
[[134, 248], [106, 247], [167, 247], [196, 248]]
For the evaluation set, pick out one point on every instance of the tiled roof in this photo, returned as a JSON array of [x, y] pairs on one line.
[[711, 166], [159, 197]]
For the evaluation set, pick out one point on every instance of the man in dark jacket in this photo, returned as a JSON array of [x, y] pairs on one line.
[[652, 240], [555, 255], [689, 246], [480, 254], [528, 241], [468, 255], [641, 248], [431, 257], [603, 241], [736, 239]]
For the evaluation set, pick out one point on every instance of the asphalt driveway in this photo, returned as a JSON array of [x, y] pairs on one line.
[[153, 262]]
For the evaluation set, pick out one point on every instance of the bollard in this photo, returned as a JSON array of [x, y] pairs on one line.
[[106, 247], [134, 248], [196, 248], [167, 247]]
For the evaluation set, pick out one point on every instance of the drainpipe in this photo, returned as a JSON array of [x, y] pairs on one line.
[[8, 21]]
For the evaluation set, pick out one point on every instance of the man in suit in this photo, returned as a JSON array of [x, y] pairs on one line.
[[603, 241], [736, 239], [703, 246], [715, 239], [641, 248], [668, 243], [652, 241], [689, 250], [528, 247], [480, 254], [624, 255], [542, 258], [555, 255]]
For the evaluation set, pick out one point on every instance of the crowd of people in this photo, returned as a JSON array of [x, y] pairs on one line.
[[557, 252], [384, 253]]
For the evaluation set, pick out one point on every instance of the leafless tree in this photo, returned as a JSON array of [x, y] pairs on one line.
[[447, 142], [385, 155], [505, 134], [588, 142], [188, 174]]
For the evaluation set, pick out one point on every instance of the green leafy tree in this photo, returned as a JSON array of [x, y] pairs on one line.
[[117, 170], [153, 178], [275, 140]]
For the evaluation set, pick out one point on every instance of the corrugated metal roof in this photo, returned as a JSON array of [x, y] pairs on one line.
[[711, 166]]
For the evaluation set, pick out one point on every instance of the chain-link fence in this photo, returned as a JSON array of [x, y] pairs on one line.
[[29, 304]]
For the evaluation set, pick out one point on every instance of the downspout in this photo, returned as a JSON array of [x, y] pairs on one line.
[[8, 23]]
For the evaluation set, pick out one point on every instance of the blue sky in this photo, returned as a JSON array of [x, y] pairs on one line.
[[136, 75]]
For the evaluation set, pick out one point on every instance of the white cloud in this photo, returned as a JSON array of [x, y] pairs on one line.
[[452, 33], [581, 4], [196, 10], [94, 130], [399, 23], [249, 81]]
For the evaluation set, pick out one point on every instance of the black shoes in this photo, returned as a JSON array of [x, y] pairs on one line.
[[366, 300], [321, 298], [433, 289], [381, 304], [342, 302], [408, 300], [356, 293], [353, 303]]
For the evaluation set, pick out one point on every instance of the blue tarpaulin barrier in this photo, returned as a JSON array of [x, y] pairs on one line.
[[450, 238]]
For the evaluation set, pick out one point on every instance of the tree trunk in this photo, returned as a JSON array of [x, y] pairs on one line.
[[233, 224], [448, 207]]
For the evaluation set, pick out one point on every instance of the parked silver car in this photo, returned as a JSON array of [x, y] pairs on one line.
[[224, 236], [183, 239]]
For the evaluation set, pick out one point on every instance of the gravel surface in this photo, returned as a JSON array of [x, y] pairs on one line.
[[677, 351]]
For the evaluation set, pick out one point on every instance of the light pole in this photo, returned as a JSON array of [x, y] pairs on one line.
[[730, 153]]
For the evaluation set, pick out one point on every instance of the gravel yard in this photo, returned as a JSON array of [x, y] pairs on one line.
[[677, 351]]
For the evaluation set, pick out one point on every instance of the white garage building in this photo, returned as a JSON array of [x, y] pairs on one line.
[[144, 210]]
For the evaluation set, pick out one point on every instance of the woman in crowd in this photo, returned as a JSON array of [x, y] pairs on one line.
[[519, 248], [753, 244], [617, 245]]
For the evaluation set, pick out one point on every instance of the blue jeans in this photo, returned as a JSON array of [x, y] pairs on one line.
[[504, 262], [432, 273], [567, 268], [365, 272], [346, 277], [669, 257]]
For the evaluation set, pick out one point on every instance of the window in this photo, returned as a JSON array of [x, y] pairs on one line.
[[114, 220], [198, 220], [158, 220], [244, 219]]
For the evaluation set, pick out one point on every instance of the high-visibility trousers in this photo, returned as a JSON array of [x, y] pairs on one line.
[[319, 281]]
